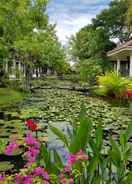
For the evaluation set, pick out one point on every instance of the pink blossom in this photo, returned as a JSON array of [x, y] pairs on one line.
[[61, 175], [30, 140], [38, 171], [46, 182], [67, 169], [71, 181], [67, 181], [63, 181], [31, 155], [2, 178], [27, 179], [45, 175], [11, 148], [18, 178], [73, 158], [81, 155]]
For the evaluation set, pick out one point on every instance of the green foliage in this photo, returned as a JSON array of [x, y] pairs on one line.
[[27, 36], [89, 69], [94, 40], [90, 42], [129, 13], [9, 96], [5, 166], [72, 77], [81, 134], [112, 84], [113, 20], [59, 134], [89, 48], [110, 167]]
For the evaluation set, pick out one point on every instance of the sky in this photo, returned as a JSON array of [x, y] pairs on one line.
[[71, 15]]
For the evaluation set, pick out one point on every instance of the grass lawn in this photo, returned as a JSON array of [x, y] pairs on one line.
[[9, 96]]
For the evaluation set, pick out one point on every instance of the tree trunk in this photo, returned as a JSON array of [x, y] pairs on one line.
[[27, 77]]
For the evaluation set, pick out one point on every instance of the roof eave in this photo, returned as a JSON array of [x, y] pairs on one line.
[[116, 52]]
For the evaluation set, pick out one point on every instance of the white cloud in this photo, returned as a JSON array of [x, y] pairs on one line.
[[71, 15], [67, 26]]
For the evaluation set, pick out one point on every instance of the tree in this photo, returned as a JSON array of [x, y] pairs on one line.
[[28, 36], [129, 14], [89, 69], [91, 42], [113, 20]]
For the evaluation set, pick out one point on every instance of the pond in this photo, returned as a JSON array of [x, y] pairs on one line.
[[61, 106]]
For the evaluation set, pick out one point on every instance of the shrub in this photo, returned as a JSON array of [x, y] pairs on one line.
[[72, 77], [112, 84], [89, 69]]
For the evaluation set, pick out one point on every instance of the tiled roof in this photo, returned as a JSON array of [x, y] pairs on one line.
[[126, 44], [123, 46]]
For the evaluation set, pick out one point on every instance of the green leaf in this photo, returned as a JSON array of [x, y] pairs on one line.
[[45, 155], [80, 139], [115, 153], [58, 160], [99, 137], [128, 132], [60, 135]]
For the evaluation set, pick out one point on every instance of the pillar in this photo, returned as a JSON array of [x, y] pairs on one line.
[[130, 70], [6, 66], [118, 66]]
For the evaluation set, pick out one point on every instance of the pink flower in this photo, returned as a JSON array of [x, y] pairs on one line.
[[71, 181], [19, 178], [28, 179], [31, 155], [66, 181], [45, 182], [45, 175], [2, 178], [61, 175], [38, 171], [30, 140], [67, 169], [73, 158], [11, 148], [81, 155], [33, 149], [63, 181]]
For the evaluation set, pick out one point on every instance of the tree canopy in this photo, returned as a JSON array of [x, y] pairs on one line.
[[92, 42], [25, 32], [114, 20]]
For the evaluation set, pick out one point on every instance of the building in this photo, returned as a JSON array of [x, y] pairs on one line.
[[17, 70], [121, 58]]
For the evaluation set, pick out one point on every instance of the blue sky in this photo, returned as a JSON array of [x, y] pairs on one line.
[[71, 15]]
